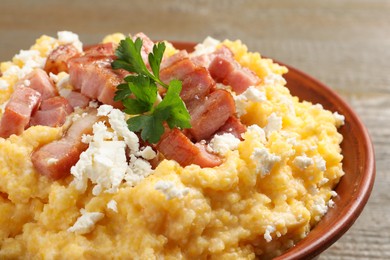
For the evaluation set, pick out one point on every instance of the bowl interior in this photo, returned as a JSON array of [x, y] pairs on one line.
[[359, 165]]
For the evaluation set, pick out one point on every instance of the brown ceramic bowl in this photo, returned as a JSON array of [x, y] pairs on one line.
[[359, 165]]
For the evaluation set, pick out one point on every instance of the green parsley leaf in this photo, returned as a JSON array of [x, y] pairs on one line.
[[139, 92]]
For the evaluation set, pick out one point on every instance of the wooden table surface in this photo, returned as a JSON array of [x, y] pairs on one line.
[[343, 43]]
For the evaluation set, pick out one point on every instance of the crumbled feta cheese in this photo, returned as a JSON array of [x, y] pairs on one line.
[[86, 222], [320, 208], [147, 153], [320, 163], [30, 58], [61, 80], [170, 190], [104, 110], [251, 94], [264, 160], [118, 123], [339, 119], [272, 79], [104, 164], [323, 181], [65, 37], [3, 84], [93, 104], [256, 131], [267, 234], [302, 161], [208, 46], [138, 170], [274, 124], [221, 144], [331, 203], [112, 205]]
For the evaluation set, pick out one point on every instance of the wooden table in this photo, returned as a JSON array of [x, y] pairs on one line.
[[343, 43]]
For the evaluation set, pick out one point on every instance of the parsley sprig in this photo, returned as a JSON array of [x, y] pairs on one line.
[[139, 92]]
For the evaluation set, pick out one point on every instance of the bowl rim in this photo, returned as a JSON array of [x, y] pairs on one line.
[[306, 249]]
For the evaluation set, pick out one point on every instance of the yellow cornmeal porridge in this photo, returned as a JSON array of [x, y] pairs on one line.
[[261, 200]]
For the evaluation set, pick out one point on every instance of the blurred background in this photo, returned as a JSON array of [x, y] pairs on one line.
[[343, 43]]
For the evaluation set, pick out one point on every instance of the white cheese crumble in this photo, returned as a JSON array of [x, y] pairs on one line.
[[256, 131], [320, 163], [208, 46], [86, 222], [170, 190], [267, 234], [251, 94], [339, 119], [272, 79], [3, 84], [264, 160], [147, 153], [221, 144], [112, 204], [65, 37], [320, 208], [138, 170], [61, 81], [303, 161], [274, 124], [104, 163]]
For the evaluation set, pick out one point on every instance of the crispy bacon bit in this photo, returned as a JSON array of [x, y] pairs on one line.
[[233, 126], [211, 114], [196, 85], [94, 77], [55, 159], [76, 99], [57, 61], [178, 70], [103, 49], [39, 81], [173, 59], [174, 145], [224, 69], [147, 46], [52, 112], [23, 102]]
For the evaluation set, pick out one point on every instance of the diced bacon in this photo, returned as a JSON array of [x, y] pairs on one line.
[[174, 145], [52, 112], [147, 46], [55, 159], [57, 61], [241, 79], [76, 99], [196, 85], [178, 70], [39, 81], [94, 77], [56, 102], [210, 114], [17, 114], [54, 117], [102, 49], [224, 69], [169, 61], [233, 126]]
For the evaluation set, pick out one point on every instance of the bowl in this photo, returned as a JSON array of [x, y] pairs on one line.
[[354, 187]]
